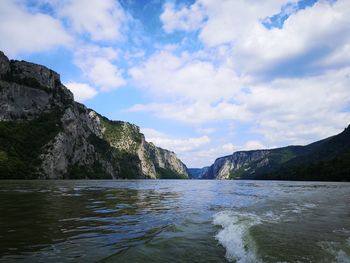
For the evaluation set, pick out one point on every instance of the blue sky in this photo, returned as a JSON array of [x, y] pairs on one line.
[[203, 78]]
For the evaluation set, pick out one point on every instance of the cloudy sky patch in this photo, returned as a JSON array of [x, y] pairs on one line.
[[202, 78]]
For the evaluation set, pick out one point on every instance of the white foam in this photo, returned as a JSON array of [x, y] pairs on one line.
[[335, 249], [342, 257], [309, 205], [298, 208], [235, 237]]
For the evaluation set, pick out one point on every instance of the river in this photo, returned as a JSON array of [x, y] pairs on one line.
[[174, 221]]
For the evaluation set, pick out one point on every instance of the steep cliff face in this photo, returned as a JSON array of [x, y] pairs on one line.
[[250, 164], [44, 133], [166, 164], [154, 162], [234, 165], [324, 160], [27, 90]]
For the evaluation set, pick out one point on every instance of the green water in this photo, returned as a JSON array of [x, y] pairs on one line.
[[174, 221]]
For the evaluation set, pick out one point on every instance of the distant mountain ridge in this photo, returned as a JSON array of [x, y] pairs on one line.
[[45, 134], [197, 173], [325, 160]]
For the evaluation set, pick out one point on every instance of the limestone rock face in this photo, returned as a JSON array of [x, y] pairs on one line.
[[28, 89], [44, 77], [166, 159], [237, 163], [72, 146], [84, 145], [150, 160], [21, 102]]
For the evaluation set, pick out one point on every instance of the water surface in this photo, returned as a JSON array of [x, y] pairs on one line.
[[174, 221]]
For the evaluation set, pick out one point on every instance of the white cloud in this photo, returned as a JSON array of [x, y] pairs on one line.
[[223, 83], [252, 145], [299, 110], [165, 74], [194, 113], [194, 152], [253, 47], [229, 21], [339, 57], [174, 144], [285, 110], [23, 31], [98, 65], [187, 18], [198, 89], [81, 91], [206, 156], [102, 20], [303, 32]]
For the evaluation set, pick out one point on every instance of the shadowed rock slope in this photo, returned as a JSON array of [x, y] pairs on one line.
[[45, 134], [325, 160]]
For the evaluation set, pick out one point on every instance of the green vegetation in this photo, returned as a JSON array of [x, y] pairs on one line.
[[21, 144], [237, 174], [274, 159], [325, 160], [126, 163], [335, 169], [117, 131], [164, 173]]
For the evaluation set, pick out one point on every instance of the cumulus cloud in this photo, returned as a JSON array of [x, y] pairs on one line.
[[102, 20], [174, 144], [194, 113], [195, 151], [304, 32], [187, 18], [299, 110], [252, 145], [23, 31], [288, 84], [283, 108], [288, 110], [253, 46], [165, 74], [81, 91], [98, 66]]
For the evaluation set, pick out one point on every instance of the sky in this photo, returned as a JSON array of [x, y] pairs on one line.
[[203, 78]]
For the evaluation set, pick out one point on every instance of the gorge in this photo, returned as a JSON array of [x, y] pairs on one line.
[[45, 134]]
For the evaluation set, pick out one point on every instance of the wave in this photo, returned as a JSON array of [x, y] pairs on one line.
[[235, 233], [235, 236]]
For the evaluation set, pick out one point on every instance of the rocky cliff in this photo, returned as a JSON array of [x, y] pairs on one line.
[[250, 164], [324, 160], [44, 133]]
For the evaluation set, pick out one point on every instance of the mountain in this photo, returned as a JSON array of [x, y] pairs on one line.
[[325, 160], [197, 173], [45, 134]]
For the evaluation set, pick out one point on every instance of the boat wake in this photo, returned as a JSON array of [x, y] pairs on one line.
[[235, 237]]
